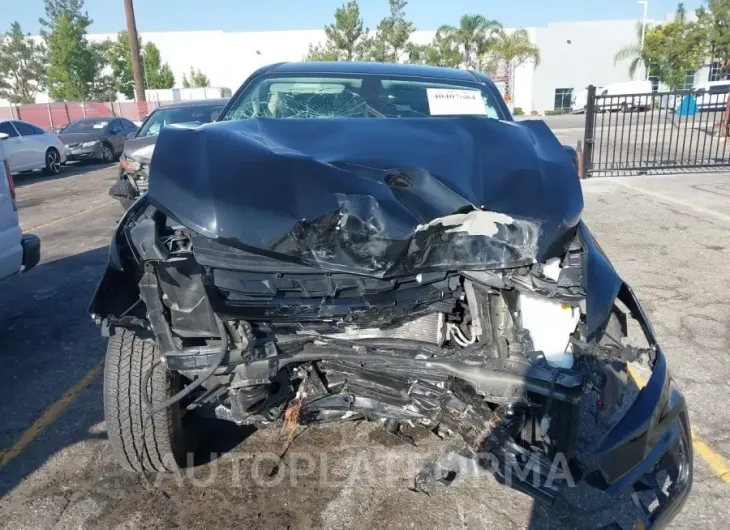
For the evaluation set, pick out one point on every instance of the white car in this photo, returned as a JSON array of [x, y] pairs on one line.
[[18, 252], [28, 147]]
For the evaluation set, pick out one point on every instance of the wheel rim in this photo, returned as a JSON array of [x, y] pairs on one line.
[[107, 154], [54, 162]]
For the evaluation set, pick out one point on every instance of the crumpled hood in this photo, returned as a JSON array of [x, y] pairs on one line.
[[140, 149], [379, 197]]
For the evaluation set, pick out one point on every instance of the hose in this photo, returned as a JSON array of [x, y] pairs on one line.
[[151, 411]]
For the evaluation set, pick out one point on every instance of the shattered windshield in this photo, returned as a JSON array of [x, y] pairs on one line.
[[362, 96]]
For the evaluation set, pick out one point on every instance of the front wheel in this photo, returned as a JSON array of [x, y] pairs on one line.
[[138, 443], [53, 162], [107, 154]]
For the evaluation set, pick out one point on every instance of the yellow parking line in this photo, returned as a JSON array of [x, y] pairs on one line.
[[719, 465], [62, 219], [49, 415]]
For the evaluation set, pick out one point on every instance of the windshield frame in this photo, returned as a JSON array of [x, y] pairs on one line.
[[220, 106], [481, 83]]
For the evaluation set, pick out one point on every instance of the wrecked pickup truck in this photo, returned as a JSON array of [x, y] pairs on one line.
[[397, 250]]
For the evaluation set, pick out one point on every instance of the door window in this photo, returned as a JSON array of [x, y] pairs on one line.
[[7, 128], [26, 129]]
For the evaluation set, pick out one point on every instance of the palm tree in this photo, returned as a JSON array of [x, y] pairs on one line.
[[475, 37], [515, 49], [635, 53]]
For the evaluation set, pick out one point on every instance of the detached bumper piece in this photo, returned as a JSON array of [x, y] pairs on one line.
[[31, 251], [648, 453]]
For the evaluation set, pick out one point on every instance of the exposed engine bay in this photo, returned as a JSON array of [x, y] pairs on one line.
[[465, 296], [500, 358]]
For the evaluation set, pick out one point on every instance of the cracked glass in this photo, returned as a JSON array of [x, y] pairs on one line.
[[363, 96]]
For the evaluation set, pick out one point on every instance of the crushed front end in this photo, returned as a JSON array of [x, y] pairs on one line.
[[485, 326]]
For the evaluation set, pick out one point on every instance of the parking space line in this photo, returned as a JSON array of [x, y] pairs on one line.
[[719, 465], [50, 414], [62, 219]]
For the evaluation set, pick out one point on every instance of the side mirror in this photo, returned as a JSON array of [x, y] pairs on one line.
[[4, 136]]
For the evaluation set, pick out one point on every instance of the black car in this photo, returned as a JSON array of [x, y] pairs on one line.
[[135, 160], [383, 242], [99, 139]]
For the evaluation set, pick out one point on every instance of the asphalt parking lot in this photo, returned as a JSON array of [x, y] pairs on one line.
[[668, 237]]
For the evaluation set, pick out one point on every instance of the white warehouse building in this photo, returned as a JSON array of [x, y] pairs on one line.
[[573, 55]]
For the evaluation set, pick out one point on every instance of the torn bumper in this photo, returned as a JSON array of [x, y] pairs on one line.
[[648, 453]]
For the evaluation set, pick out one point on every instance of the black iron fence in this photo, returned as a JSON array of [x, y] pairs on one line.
[[655, 133]]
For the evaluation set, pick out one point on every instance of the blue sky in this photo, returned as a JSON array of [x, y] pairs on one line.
[[262, 15]]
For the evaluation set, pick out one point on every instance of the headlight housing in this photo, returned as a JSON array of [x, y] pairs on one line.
[[90, 144]]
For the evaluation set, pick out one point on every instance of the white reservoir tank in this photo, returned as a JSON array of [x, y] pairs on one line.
[[550, 323]]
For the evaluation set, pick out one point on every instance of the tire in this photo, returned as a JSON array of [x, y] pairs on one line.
[[164, 445], [53, 161], [107, 153]]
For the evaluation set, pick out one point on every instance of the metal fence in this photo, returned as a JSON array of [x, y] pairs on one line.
[[662, 132], [55, 115]]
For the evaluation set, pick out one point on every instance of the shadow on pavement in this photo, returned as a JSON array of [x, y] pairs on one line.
[[48, 344], [71, 169]]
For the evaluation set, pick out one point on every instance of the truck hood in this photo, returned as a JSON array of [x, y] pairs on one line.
[[378, 197]]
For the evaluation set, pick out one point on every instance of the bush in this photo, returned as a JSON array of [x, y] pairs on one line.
[[534, 113], [555, 112], [517, 111]]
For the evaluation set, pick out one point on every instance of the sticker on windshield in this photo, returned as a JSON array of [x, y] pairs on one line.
[[100, 125], [451, 102]]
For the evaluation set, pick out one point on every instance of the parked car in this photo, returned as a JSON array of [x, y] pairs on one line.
[[18, 252], [100, 139], [382, 241], [135, 160], [625, 96], [28, 147], [712, 95]]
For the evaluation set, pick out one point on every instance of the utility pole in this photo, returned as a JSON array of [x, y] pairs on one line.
[[643, 23], [643, 34], [134, 46]]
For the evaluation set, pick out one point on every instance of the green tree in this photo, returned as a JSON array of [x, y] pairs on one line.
[[440, 52], [634, 52], [515, 49], [675, 49], [156, 73], [715, 23], [391, 41], [71, 60], [475, 37], [22, 66], [102, 87], [119, 57], [195, 79], [347, 38]]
